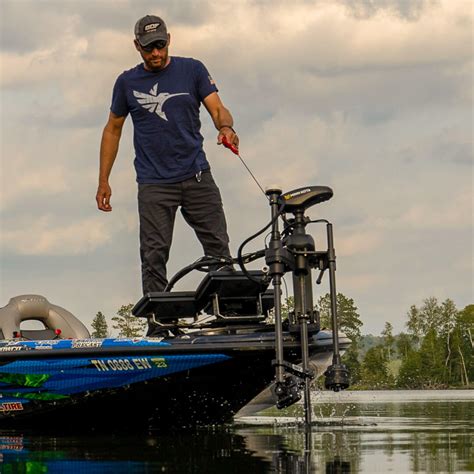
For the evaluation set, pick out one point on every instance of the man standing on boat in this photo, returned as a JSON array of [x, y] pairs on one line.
[[163, 96]]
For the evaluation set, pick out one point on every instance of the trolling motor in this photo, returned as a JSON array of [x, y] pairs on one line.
[[296, 252]]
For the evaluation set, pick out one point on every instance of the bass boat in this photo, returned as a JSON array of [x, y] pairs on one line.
[[212, 350]]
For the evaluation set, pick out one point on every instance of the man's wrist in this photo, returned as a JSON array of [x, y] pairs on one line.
[[226, 126]]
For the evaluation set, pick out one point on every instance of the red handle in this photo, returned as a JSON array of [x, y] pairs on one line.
[[228, 145]]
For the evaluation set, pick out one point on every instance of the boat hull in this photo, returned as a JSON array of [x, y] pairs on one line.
[[145, 383]]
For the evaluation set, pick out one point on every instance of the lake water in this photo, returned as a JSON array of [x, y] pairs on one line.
[[384, 431]]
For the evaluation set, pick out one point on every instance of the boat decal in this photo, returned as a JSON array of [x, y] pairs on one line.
[[61, 344], [135, 363], [82, 343], [54, 380], [24, 380], [160, 362], [11, 406], [11, 443], [13, 348]]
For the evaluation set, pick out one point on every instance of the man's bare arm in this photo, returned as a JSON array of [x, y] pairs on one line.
[[108, 152], [222, 119]]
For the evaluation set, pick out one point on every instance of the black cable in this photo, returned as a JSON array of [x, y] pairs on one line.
[[250, 257], [265, 240], [198, 264], [316, 221], [248, 239], [206, 261]]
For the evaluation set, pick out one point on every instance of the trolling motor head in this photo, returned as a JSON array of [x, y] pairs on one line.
[[302, 198]]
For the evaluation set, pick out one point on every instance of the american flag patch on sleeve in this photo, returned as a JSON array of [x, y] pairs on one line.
[[211, 81]]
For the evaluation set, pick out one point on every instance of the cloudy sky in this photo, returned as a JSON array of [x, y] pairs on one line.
[[370, 97]]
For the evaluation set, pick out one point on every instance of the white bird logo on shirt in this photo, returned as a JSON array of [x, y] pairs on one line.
[[153, 101]]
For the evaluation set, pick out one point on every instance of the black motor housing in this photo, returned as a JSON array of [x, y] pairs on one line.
[[302, 198]]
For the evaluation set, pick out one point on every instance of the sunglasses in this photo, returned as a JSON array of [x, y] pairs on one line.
[[160, 44]]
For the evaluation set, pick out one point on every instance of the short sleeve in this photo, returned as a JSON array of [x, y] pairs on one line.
[[119, 98], [205, 83]]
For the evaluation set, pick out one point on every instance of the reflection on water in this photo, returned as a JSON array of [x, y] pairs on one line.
[[352, 432]]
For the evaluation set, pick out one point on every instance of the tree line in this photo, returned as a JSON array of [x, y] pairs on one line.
[[435, 351]]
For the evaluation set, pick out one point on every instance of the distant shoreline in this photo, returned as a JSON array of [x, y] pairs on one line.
[[393, 395]]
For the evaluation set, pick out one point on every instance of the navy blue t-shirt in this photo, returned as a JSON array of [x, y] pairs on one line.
[[164, 106]]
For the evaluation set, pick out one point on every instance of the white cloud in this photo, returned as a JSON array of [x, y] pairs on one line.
[[30, 181], [454, 212], [46, 236], [324, 35], [358, 242], [364, 281]]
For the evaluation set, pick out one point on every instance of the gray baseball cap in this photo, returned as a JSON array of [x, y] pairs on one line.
[[150, 28]]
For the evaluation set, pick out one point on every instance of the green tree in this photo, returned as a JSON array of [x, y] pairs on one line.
[[424, 368], [466, 321], [375, 373], [99, 325], [447, 324], [410, 374], [461, 362], [448, 317], [404, 344], [349, 319], [414, 324], [127, 324], [388, 339], [432, 357], [443, 355], [432, 315], [434, 325], [351, 360], [421, 320]]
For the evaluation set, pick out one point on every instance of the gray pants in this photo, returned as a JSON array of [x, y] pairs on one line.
[[201, 207]]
